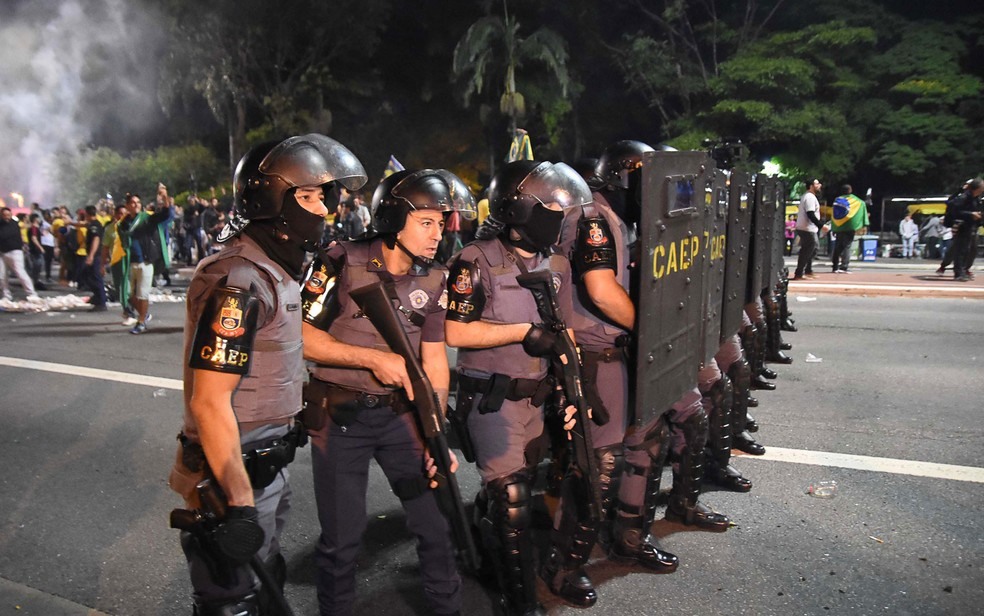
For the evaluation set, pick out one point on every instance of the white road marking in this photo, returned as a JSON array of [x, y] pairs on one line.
[[93, 373], [773, 454], [870, 463]]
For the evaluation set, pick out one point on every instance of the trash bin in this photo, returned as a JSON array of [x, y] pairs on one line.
[[869, 247]]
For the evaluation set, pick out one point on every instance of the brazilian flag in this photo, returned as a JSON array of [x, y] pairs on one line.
[[845, 208], [392, 167], [521, 148]]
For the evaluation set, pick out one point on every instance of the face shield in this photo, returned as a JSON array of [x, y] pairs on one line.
[[314, 160], [555, 183]]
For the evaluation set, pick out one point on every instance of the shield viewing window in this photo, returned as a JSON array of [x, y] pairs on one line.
[[680, 196]]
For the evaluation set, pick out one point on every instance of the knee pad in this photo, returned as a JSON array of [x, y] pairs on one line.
[[509, 501]]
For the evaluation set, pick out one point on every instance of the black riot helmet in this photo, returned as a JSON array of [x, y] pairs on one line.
[[267, 172], [587, 168], [425, 189], [520, 185], [619, 160]]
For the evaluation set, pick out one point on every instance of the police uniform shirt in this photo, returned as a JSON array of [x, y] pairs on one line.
[[221, 323]]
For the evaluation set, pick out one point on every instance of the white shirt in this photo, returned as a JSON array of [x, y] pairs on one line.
[[47, 238], [908, 228], [808, 203]]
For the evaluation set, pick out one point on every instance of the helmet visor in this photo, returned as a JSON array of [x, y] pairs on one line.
[[314, 160], [412, 189], [556, 183], [462, 199]]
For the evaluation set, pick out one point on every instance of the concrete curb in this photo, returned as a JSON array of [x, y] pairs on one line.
[[26, 601]]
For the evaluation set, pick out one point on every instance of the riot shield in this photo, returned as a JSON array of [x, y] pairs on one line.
[[667, 282], [761, 232], [778, 235], [713, 253], [768, 232], [740, 205]]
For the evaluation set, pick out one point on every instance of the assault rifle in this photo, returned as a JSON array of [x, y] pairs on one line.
[[376, 302], [568, 367]]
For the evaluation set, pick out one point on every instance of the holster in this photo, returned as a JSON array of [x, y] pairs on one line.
[[589, 379], [458, 418], [314, 412]]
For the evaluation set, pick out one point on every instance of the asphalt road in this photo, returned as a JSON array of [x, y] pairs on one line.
[[84, 500]]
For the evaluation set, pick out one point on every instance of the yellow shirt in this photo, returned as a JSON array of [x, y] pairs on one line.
[[81, 232]]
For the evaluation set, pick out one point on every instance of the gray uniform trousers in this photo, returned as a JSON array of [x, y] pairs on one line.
[[272, 506]]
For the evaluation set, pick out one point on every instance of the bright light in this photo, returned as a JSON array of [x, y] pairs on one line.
[[19, 198], [771, 167]]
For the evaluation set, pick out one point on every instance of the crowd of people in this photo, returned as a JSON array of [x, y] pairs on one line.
[[953, 238]]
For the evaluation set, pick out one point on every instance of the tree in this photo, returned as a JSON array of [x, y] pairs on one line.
[[924, 135], [790, 94], [283, 61], [675, 56], [493, 50], [101, 170]]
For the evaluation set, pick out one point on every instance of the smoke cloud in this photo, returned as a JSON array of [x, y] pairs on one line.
[[74, 74]]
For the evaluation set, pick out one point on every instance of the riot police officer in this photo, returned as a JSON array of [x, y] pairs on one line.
[[244, 368], [601, 258], [502, 376], [597, 238], [357, 408]]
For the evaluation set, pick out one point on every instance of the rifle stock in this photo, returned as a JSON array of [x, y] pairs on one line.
[[375, 301], [568, 365]]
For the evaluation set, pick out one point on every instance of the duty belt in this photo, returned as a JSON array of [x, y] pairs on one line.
[[604, 356], [262, 463], [516, 389], [339, 396]]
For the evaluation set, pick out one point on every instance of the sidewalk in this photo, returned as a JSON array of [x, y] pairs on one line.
[[885, 277]]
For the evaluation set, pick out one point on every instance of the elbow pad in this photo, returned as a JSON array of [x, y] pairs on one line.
[[319, 294], [595, 246], [466, 294]]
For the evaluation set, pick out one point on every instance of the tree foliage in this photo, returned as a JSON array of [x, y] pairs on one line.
[[183, 168], [492, 53]]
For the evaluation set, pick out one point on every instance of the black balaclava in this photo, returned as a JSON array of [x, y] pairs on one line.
[[287, 239], [540, 231], [627, 202]]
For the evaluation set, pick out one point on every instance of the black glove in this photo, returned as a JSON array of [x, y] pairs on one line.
[[539, 342], [239, 535]]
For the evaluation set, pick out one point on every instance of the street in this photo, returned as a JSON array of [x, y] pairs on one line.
[[85, 456]]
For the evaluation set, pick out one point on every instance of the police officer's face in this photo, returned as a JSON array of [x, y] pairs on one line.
[[421, 234], [312, 200]]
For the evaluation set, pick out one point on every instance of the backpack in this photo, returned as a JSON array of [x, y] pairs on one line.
[[71, 238]]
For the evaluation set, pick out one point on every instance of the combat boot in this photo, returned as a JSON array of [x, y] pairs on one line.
[[687, 476], [718, 403], [571, 547], [743, 441], [632, 542]]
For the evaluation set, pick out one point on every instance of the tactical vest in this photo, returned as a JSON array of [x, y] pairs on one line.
[[272, 389], [591, 329], [506, 302], [350, 327]]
